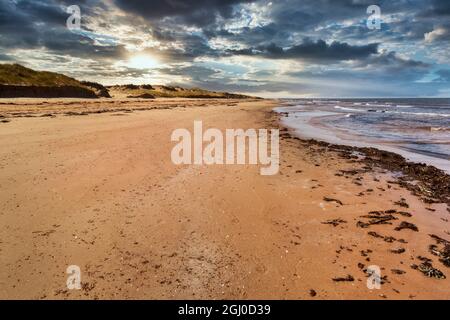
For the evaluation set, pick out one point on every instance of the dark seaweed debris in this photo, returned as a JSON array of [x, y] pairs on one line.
[[333, 200], [397, 271], [334, 222], [407, 225], [388, 239], [375, 217], [429, 183], [427, 269], [398, 251], [443, 253], [348, 278]]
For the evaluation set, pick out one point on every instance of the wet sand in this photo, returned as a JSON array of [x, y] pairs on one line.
[[98, 190], [314, 125]]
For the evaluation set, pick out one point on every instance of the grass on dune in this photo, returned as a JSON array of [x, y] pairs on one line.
[[15, 74]]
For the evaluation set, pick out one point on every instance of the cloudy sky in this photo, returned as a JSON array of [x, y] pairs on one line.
[[287, 48]]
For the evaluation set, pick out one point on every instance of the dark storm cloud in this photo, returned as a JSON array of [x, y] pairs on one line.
[[390, 61], [386, 66], [438, 7], [180, 33], [79, 46], [196, 73], [15, 27], [313, 50], [44, 12], [322, 19], [27, 24], [194, 12]]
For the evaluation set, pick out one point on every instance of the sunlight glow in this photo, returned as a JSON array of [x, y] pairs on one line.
[[142, 62]]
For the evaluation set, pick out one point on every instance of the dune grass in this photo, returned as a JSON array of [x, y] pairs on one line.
[[15, 74]]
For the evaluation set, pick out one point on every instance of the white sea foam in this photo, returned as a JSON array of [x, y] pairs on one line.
[[348, 109]]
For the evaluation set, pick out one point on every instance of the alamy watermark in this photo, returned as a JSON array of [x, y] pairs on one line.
[[374, 279], [73, 22], [73, 281], [374, 20], [228, 148]]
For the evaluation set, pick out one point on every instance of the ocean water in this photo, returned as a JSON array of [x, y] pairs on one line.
[[419, 129]]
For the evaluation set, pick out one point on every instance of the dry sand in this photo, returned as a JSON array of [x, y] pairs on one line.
[[100, 191]]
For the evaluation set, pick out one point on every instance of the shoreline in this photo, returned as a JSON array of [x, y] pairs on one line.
[[436, 181], [317, 130], [100, 192]]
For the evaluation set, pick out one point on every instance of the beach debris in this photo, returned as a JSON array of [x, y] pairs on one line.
[[361, 224], [405, 214], [402, 203], [327, 199], [376, 217], [427, 269], [347, 278], [374, 234], [443, 253], [334, 222], [425, 181], [388, 239], [86, 286], [439, 240], [406, 225], [397, 271], [72, 113], [352, 172], [365, 253], [391, 211], [398, 251]]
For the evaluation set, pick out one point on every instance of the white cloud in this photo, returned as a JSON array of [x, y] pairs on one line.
[[437, 34]]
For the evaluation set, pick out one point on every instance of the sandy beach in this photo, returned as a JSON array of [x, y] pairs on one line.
[[91, 183]]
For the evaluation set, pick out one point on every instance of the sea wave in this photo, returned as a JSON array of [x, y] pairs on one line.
[[428, 114], [348, 109], [403, 106]]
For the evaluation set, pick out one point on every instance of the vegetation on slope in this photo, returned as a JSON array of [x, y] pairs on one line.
[[15, 74], [158, 91], [19, 81]]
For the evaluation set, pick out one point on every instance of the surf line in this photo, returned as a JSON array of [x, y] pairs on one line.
[[227, 148]]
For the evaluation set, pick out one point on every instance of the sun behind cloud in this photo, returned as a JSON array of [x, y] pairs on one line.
[[143, 61]]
